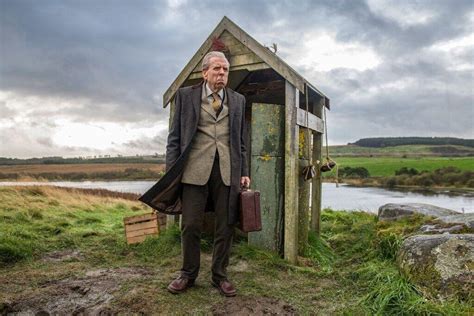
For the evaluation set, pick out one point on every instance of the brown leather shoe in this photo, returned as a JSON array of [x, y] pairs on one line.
[[225, 288], [180, 284]]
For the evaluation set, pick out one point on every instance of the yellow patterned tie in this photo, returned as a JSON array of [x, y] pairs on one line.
[[216, 103]]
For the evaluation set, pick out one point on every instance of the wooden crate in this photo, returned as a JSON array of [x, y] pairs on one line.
[[137, 228]]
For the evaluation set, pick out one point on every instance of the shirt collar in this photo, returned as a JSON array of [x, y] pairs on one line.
[[209, 91]]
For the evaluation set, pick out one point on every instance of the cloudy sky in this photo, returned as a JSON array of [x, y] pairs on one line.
[[81, 78]]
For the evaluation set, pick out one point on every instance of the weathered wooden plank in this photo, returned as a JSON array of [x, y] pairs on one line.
[[245, 59], [139, 218], [141, 232], [267, 165], [316, 184], [237, 60], [141, 226], [137, 239], [227, 37], [303, 191], [238, 48], [314, 122], [291, 187], [250, 67]]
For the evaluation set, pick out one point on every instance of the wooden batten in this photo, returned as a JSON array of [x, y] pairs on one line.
[[291, 168], [314, 122]]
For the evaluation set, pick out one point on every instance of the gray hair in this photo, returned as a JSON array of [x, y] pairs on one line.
[[206, 61]]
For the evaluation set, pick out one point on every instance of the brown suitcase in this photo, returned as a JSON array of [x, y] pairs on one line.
[[250, 218]]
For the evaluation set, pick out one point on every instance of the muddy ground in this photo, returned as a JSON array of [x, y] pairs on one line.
[[71, 290]]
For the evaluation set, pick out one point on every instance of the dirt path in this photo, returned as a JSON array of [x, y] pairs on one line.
[[141, 290]]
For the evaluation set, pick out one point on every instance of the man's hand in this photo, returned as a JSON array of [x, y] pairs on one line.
[[245, 182]]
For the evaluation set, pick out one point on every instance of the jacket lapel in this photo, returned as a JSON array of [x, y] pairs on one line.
[[231, 105], [209, 110], [223, 113], [196, 100]]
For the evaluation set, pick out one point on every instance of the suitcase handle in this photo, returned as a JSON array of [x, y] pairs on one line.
[[244, 189]]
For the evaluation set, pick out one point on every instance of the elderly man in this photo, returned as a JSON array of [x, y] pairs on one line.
[[206, 159]]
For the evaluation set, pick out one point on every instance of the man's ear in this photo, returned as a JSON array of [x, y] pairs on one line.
[[204, 74]]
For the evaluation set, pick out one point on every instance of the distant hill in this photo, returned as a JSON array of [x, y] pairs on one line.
[[402, 151], [380, 142]]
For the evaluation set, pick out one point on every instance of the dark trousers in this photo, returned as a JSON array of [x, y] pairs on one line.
[[194, 200]]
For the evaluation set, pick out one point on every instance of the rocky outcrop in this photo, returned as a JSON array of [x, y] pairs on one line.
[[440, 265], [463, 219], [442, 229], [451, 224], [394, 211]]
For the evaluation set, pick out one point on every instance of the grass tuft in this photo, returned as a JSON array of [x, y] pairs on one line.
[[319, 251], [157, 248]]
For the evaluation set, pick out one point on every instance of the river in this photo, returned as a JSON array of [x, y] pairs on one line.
[[344, 197]]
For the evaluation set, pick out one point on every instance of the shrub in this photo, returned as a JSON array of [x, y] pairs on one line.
[[356, 172], [390, 182], [407, 171]]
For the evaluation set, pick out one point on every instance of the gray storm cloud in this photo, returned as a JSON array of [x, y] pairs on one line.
[[113, 60]]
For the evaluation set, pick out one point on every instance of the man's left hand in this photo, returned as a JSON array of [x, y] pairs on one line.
[[245, 182]]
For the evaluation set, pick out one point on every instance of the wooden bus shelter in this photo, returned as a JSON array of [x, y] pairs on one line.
[[281, 106]]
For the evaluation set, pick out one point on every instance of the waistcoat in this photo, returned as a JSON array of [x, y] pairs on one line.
[[212, 136]]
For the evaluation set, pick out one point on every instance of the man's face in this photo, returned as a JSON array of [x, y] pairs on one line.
[[217, 73]]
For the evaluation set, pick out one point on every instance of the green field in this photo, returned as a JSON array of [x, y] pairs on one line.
[[400, 151], [386, 166], [64, 252]]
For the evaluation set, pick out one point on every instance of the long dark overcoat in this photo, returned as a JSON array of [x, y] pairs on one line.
[[165, 195]]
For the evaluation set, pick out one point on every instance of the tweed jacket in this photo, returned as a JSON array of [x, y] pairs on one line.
[[165, 195], [212, 135]]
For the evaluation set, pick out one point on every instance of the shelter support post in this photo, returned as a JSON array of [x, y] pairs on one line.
[[316, 184], [291, 169], [303, 190]]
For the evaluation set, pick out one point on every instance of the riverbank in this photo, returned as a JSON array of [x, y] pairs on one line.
[[82, 172], [454, 191], [65, 251]]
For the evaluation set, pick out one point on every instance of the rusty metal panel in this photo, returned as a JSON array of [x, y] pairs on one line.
[[267, 172]]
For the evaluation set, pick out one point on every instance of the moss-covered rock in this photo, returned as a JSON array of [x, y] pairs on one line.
[[440, 265]]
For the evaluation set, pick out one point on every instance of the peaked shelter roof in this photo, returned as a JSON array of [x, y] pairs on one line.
[[267, 56]]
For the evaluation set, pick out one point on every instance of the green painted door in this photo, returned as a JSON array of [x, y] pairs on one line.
[[267, 172]]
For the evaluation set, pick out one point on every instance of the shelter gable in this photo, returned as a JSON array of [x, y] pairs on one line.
[[241, 57]]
